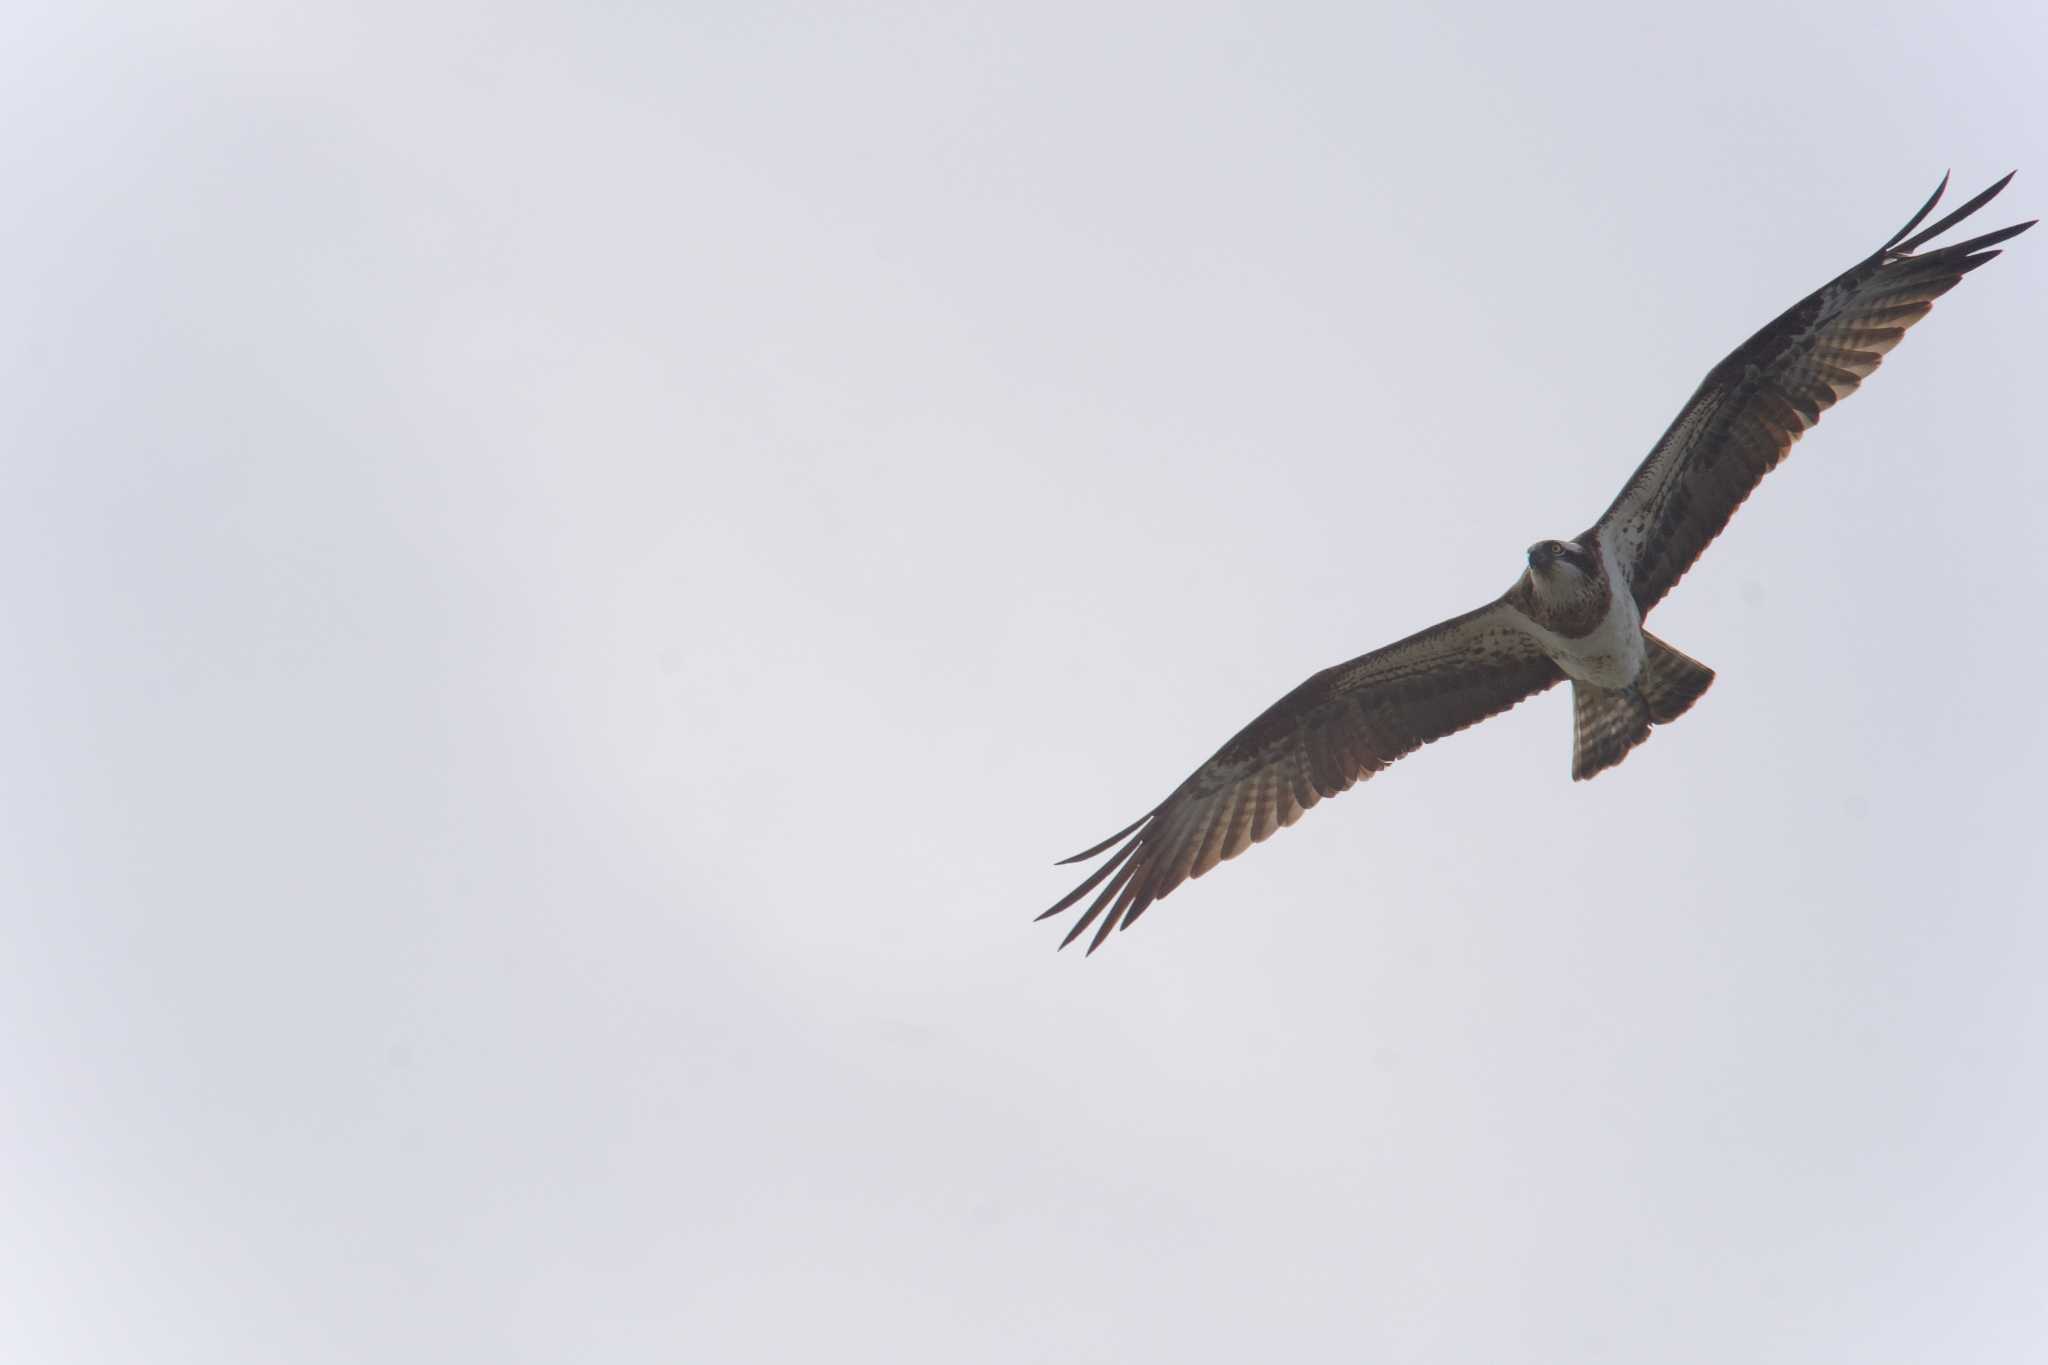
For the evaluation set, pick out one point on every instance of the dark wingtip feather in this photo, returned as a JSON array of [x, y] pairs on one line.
[[1138, 907], [1984, 197], [1094, 878], [1080, 927], [1994, 238], [1109, 893], [1925, 209], [1109, 922], [1085, 854]]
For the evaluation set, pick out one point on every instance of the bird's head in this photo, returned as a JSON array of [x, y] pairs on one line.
[[1560, 560], [1561, 570]]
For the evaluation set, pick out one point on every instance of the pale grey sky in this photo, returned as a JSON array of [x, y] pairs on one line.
[[569, 569]]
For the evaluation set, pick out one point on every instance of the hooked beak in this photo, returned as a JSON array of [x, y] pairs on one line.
[[1540, 556]]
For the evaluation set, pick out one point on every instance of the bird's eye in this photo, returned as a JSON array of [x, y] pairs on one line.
[[1555, 548]]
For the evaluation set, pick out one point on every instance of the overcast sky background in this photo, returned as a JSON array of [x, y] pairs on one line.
[[568, 570]]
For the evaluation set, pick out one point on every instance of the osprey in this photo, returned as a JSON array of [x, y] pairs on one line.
[[1576, 612]]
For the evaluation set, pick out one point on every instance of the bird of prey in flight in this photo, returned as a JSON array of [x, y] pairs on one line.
[[1576, 612]]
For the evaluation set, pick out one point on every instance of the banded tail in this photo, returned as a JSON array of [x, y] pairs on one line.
[[1610, 723]]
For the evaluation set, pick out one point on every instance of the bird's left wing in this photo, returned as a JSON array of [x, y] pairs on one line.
[[1753, 405], [1341, 726]]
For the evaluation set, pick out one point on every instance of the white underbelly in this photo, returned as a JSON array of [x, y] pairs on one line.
[[1604, 662]]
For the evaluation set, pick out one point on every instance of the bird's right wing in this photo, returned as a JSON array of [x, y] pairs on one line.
[[1341, 726]]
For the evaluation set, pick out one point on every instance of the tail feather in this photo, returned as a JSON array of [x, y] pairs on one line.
[[1609, 723], [1670, 682]]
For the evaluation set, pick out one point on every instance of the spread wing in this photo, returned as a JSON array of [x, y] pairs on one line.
[[1341, 726], [1756, 403]]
